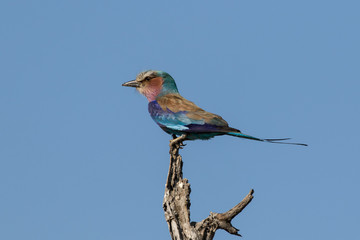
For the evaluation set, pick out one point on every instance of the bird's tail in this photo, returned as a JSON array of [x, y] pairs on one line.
[[279, 140]]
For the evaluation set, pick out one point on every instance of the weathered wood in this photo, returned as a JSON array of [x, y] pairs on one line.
[[176, 204]]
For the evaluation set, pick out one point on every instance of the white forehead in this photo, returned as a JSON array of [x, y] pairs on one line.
[[142, 75]]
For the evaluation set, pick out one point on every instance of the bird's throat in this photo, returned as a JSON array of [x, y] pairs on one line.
[[150, 94], [152, 89]]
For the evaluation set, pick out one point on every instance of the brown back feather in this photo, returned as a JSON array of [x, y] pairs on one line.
[[176, 103]]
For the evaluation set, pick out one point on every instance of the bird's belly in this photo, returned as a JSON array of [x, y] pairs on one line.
[[202, 136], [191, 135]]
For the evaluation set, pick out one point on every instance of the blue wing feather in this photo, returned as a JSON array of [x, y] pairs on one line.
[[175, 121]]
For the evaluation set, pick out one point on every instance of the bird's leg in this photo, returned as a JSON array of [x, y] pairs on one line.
[[178, 140]]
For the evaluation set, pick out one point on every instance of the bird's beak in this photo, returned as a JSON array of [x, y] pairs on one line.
[[132, 83]]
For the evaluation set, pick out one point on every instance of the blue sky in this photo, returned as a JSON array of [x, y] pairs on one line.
[[80, 158]]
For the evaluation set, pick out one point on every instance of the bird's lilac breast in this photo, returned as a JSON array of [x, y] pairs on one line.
[[156, 110]]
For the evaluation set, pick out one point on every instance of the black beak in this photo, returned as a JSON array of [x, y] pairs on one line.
[[132, 83]]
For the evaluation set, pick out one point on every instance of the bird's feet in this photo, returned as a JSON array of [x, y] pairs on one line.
[[178, 140]]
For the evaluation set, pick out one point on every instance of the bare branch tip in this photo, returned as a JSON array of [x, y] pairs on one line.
[[238, 234]]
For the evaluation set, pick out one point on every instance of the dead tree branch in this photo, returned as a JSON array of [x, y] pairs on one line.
[[177, 204]]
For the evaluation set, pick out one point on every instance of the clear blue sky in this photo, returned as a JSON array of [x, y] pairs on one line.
[[80, 158]]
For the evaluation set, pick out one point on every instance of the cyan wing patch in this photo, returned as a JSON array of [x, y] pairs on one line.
[[172, 120], [175, 121]]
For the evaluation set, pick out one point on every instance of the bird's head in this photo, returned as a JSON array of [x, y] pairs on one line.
[[153, 84]]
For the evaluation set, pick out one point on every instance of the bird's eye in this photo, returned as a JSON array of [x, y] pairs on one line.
[[147, 79]]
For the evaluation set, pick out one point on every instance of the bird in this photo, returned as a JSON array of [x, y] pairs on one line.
[[178, 116]]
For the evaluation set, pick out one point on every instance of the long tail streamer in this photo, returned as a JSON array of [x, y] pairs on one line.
[[271, 140]]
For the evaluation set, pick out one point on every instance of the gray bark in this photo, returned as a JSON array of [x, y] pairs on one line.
[[176, 204]]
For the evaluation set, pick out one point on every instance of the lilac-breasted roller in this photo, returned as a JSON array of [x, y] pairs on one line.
[[180, 117]]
